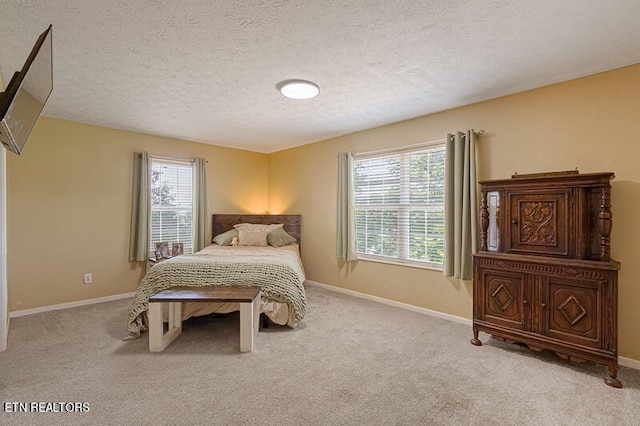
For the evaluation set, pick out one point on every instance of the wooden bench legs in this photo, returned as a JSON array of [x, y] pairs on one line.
[[247, 297], [249, 323], [158, 339]]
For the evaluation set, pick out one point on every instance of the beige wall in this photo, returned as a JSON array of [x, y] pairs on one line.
[[69, 204], [587, 124]]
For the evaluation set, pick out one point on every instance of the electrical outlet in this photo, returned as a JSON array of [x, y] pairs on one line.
[[88, 278]]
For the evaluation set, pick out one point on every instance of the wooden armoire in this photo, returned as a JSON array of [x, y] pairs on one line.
[[544, 275]]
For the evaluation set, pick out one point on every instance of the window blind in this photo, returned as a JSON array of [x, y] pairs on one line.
[[399, 205], [172, 203]]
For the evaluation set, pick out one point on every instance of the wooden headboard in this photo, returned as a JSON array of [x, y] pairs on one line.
[[225, 222]]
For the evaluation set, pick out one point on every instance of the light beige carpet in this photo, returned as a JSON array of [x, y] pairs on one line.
[[350, 362]]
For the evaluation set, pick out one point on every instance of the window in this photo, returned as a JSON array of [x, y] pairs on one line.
[[172, 203], [399, 206]]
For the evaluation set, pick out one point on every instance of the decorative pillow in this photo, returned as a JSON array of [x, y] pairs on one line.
[[250, 237], [279, 237], [225, 238]]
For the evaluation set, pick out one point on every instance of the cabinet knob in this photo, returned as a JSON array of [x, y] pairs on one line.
[[525, 301], [515, 222], [544, 305]]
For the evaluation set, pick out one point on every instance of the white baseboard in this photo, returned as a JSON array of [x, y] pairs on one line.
[[629, 362], [24, 312], [623, 361], [401, 305]]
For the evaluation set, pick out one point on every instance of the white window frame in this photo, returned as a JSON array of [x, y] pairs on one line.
[[158, 160], [403, 207]]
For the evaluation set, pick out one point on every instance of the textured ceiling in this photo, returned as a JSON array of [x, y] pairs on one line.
[[207, 70]]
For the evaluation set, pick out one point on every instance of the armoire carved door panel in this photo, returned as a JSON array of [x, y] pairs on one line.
[[573, 312], [505, 298], [540, 223]]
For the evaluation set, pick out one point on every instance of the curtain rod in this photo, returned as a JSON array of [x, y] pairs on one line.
[[477, 132], [407, 147], [163, 157]]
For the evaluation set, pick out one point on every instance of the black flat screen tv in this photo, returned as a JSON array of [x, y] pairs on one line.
[[23, 100]]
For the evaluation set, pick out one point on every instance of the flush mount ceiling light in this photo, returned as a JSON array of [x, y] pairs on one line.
[[298, 89]]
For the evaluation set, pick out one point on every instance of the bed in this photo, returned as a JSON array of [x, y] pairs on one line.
[[275, 268]]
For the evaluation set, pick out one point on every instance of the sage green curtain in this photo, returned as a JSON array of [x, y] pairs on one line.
[[140, 208], [461, 215], [346, 219], [200, 205]]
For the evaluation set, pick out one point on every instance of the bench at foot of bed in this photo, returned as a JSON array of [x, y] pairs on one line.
[[248, 297]]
